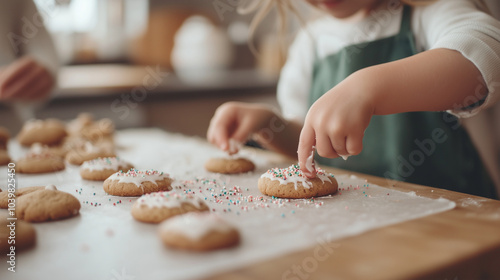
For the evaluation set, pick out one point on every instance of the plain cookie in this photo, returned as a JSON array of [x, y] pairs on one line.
[[47, 204], [24, 232], [229, 165], [159, 206], [292, 183], [4, 196], [198, 232], [101, 168], [137, 183], [47, 132]]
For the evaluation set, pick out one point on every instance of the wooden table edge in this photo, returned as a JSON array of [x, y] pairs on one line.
[[445, 245]]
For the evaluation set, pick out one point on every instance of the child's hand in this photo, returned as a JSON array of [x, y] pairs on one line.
[[336, 123], [236, 121], [25, 79]]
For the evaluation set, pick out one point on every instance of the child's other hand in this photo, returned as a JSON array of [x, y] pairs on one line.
[[25, 79], [236, 122], [336, 123]]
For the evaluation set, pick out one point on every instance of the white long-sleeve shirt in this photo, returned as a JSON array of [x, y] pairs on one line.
[[451, 24], [22, 33]]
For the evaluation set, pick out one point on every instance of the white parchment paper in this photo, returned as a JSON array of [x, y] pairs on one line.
[[105, 242]]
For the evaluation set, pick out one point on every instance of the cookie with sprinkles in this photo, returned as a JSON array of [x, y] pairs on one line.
[[159, 206], [89, 152], [100, 169], [137, 182], [290, 182], [198, 232], [229, 165], [40, 160]]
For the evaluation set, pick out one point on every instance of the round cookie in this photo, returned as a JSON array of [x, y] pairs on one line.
[[37, 162], [4, 138], [88, 152], [4, 157], [137, 183], [100, 169], [229, 165], [292, 183], [198, 232], [159, 206], [4, 196], [24, 232], [47, 132], [47, 204]]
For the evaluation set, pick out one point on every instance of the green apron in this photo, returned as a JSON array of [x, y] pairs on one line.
[[428, 148]]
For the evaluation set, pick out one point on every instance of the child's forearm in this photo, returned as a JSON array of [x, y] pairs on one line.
[[434, 80], [280, 136]]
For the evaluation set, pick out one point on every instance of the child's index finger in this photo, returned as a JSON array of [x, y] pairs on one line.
[[306, 152]]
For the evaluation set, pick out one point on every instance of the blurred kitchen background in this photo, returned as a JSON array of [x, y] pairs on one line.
[[157, 63], [162, 63]]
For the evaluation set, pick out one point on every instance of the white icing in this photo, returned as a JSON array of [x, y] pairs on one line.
[[234, 146], [168, 200], [51, 187], [195, 225], [300, 178], [310, 162], [345, 157], [112, 163], [36, 148], [138, 178]]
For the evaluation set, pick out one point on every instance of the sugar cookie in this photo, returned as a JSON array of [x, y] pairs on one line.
[[39, 160], [198, 232], [4, 196], [46, 132], [229, 165], [47, 204], [100, 169], [25, 235], [137, 183], [292, 183], [88, 152], [158, 206]]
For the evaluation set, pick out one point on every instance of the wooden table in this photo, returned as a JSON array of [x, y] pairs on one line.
[[463, 243]]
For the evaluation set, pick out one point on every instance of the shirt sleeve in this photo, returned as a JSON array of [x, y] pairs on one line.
[[459, 25], [295, 78]]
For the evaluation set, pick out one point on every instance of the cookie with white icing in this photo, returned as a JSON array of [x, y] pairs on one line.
[[198, 232], [25, 235], [159, 206], [137, 182], [47, 204], [229, 165], [47, 132], [88, 152], [100, 169], [4, 196], [40, 160], [292, 183]]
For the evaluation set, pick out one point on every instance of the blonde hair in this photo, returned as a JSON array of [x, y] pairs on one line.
[[283, 8]]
